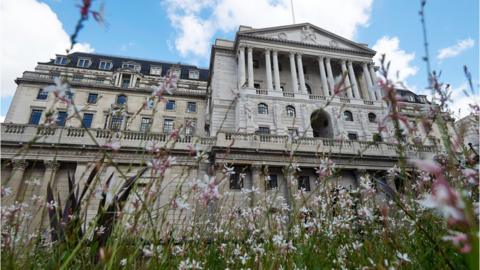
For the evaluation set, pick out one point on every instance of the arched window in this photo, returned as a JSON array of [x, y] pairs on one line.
[[262, 108], [290, 111], [121, 99], [309, 89], [348, 116], [372, 118]]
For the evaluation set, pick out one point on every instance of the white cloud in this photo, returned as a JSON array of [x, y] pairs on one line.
[[400, 60], [198, 21], [31, 32], [2, 118], [460, 102], [82, 47], [456, 49]]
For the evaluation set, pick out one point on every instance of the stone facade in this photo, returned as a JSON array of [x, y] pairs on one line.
[[266, 94]]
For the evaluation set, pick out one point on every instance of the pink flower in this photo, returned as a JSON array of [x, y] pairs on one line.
[[471, 175], [160, 165], [430, 166], [208, 189], [325, 168], [113, 145], [459, 240], [446, 200], [62, 91]]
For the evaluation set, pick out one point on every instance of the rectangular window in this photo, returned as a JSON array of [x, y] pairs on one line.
[[42, 94], [35, 117], [61, 60], [83, 63], [191, 107], [116, 123], [167, 126], [292, 132], [132, 66], [377, 137], [352, 136], [194, 74], [61, 119], [145, 124], [170, 105], [304, 183], [190, 126], [92, 98], [155, 70], [77, 78], [256, 85], [236, 182], [272, 181], [105, 65], [87, 120], [263, 130], [126, 80]]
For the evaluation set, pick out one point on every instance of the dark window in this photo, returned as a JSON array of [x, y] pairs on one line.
[[263, 130], [106, 65], [190, 126], [87, 120], [352, 136], [77, 78], [145, 124], [372, 118], [92, 98], [167, 126], [236, 182], [304, 183], [35, 117], [126, 80], [42, 94], [377, 137], [309, 89], [84, 63], [272, 181], [262, 108], [61, 118], [121, 99], [60, 60], [290, 111], [256, 64], [170, 106], [116, 122], [256, 85], [348, 116], [191, 107]]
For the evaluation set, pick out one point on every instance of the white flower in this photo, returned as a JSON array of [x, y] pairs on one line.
[[113, 145], [228, 170], [403, 257], [123, 262]]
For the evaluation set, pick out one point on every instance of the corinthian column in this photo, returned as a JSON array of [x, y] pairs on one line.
[[51, 168], [15, 183], [258, 183], [301, 76], [268, 68], [323, 76], [276, 72], [375, 82], [250, 67], [353, 80], [347, 81], [368, 79], [293, 72], [330, 75], [241, 66]]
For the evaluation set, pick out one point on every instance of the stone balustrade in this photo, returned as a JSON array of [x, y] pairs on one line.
[[19, 133]]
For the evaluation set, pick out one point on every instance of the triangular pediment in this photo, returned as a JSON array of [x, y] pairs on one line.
[[308, 34]]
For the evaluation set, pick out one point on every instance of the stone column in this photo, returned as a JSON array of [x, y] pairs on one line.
[[353, 80], [347, 81], [250, 67], [375, 82], [258, 183], [293, 72], [331, 81], [268, 68], [276, 71], [366, 75], [51, 168], [301, 75], [323, 76], [16, 180], [241, 67]]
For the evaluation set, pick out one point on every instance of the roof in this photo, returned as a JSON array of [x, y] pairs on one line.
[[117, 62], [417, 98]]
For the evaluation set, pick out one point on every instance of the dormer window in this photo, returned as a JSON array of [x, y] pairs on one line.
[[61, 60], [105, 65], [176, 72], [133, 66], [83, 62], [194, 74], [155, 70]]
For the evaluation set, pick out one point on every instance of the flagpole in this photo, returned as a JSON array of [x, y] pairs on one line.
[[293, 12]]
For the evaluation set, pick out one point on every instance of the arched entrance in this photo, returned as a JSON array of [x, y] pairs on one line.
[[321, 124]]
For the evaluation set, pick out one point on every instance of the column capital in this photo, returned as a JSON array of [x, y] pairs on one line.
[[320, 57], [343, 61], [249, 48], [19, 164], [256, 167], [268, 50], [51, 165], [292, 53]]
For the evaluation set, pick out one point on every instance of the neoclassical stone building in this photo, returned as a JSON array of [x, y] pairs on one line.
[[267, 93]]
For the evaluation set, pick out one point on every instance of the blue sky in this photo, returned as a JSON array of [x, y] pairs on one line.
[[182, 31]]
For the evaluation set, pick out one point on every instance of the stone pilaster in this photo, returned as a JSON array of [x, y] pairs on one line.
[[241, 66], [16, 183], [250, 67], [258, 183], [268, 68], [323, 76], [301, 75], [293, 72]]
